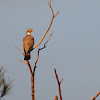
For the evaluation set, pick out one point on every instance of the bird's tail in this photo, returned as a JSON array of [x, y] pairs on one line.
[[27, 56]]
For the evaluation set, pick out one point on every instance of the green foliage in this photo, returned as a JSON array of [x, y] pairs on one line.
[[5, 84]]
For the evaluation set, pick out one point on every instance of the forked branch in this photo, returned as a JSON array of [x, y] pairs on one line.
[[49, 25], [39, 52], [25, 62], [59, 82]]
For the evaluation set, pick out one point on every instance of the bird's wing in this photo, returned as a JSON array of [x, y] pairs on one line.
[[28, 43], [31, 41]]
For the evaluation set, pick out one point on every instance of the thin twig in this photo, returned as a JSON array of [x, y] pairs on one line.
[[96, 96], [36, 61], [58, 84], [61, 81], [23, 62], [49, 25], [56, 14], [51, 8], [48, 38], [20, 51]]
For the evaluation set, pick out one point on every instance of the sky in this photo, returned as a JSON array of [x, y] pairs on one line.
[[74, 48]]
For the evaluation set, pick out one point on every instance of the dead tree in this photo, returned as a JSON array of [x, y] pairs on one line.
[[32, 71]]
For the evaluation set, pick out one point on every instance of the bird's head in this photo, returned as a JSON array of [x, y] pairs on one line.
[[29, 31]]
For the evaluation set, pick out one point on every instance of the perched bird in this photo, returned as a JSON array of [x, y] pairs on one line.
[[28, 43]]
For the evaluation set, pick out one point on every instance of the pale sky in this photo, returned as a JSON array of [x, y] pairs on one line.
[[74, 48]]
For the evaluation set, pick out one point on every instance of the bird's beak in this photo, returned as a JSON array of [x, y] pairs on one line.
[[32, 31]]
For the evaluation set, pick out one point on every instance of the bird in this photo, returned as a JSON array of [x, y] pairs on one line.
[[28, 43]]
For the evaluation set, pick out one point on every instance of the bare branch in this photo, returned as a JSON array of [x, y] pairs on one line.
[[96, 96], [49, 25], [23, 62], [48, 38], [39, 51], [36, 61], [58, 84]]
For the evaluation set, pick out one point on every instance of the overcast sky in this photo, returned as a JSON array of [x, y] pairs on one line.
[[74, 48]]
